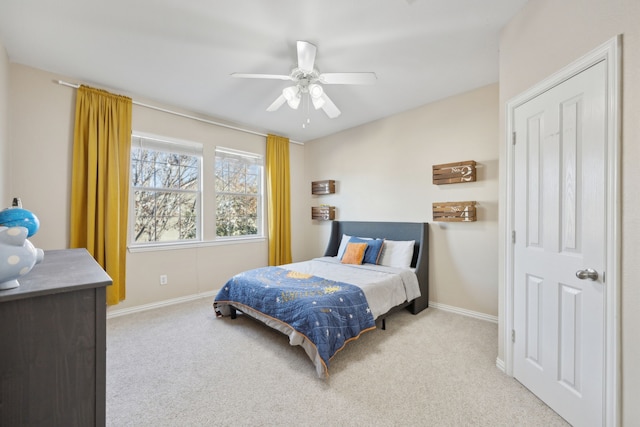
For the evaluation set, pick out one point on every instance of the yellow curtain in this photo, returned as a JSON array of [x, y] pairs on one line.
[[100, 182], [279, 205]]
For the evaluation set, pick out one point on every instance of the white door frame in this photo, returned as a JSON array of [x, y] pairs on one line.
[[610, 52]]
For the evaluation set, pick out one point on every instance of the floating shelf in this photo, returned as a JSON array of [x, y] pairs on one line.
[[454, 211], [452, 173], [323, 213], [327, 186]]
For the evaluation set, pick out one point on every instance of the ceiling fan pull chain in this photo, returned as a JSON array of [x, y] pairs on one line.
[[306, 107]]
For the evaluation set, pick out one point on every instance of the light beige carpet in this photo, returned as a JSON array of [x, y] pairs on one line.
[[182, 366]]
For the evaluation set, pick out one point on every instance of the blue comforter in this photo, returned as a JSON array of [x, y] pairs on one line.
[[327, 313]]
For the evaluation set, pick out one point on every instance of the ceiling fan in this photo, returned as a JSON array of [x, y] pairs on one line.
[[308, 80]]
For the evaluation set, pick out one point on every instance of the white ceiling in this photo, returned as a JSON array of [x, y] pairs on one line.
[[181, 52]]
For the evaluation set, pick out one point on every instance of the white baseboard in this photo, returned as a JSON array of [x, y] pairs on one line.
[[464, 312], [500, 365], [165, 303]]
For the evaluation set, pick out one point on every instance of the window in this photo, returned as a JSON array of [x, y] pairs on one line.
[[183, 192], [238, 193], [166, 190]]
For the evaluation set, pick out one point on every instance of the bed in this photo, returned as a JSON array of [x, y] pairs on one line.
[[369, 271]]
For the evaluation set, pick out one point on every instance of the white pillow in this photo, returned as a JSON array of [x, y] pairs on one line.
[[397, 253], [343, 245]]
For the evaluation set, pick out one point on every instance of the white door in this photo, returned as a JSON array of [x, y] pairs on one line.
[[560, 163]]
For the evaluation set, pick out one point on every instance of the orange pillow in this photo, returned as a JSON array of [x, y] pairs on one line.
[[354, 254]]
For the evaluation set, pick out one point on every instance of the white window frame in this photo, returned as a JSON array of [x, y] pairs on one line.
[[256, 159], [171, 145]]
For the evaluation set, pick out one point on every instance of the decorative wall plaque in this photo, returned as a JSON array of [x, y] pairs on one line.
[[323, 213], [454, 211], [327, 186], [452, 173]]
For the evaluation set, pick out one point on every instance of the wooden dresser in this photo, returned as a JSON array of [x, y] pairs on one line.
[[53, 343]]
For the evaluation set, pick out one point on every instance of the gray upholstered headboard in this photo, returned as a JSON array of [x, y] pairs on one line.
[[418, 231]]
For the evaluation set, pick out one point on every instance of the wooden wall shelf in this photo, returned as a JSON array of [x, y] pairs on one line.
[[454, 211], [323, 213], [327, 186], [452, 173]]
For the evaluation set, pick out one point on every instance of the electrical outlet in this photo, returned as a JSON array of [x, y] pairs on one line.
[[163, 279]]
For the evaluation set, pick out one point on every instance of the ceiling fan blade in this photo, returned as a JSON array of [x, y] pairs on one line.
[[306, 56], [329, 107], [261, 76], [277, 103], [348, 78]]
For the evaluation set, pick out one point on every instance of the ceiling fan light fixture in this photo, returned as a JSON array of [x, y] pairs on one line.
[[292, 95], [315, 90], [294, 103], [316, 93]]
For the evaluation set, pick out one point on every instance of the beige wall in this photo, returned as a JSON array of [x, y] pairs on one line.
[[383, 173], [41, 136], [4, 123], [543, 38]]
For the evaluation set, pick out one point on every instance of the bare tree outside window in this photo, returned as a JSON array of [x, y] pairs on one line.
[[166, 191], [167, 196], [238, 195]]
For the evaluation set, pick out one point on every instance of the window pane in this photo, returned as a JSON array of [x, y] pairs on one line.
[[164, 216], [222, 175], [161, 176], [187, 205], [189, 178], [238, 199], [144, 205], [236, 215], [253, 183], [168, 211], [142, 169], [168, 228], [160, 157], [145, 230], [188, 161]]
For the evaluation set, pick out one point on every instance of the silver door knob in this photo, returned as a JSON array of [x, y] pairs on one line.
[[588, 273]]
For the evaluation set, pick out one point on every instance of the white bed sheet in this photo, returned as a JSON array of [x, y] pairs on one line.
[[384, 287]]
